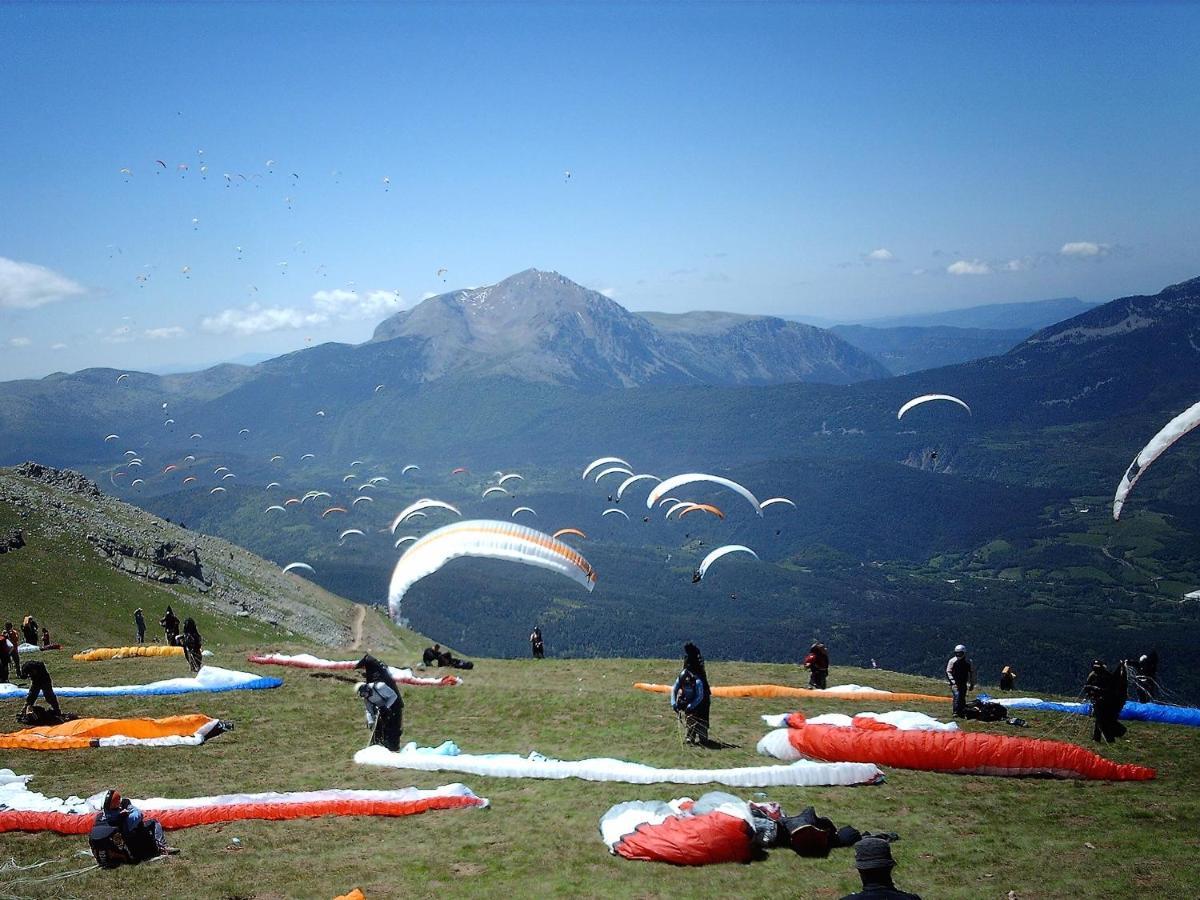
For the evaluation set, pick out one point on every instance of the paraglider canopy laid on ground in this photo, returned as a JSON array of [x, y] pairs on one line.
[[24, 810], [173, 731], [210, 679], [910, 740]]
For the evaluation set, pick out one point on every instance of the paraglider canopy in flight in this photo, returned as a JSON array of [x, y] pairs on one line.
[[925, 398], [1158, 445], [488, 539], [604, 460]]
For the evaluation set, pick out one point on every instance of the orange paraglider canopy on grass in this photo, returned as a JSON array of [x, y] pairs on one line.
[[779, 690], [173, 731]]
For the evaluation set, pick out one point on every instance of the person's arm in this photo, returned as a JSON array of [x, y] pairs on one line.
[[698, 694], [133, 818], [950, 670]]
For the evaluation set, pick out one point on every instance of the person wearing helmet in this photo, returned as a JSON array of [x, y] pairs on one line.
[[1145, 677], [960, 672]]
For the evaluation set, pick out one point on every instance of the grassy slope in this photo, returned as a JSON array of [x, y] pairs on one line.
[[968, 836], [962, 836]]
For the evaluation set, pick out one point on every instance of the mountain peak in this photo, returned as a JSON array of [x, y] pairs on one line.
[[542, 326]]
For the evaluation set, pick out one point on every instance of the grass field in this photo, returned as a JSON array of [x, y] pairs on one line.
[[961, 836]]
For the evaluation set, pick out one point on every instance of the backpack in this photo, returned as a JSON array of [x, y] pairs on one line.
[[108, 846], [986, 711]]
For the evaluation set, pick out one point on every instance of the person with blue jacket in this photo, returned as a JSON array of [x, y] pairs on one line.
[[691, 696]]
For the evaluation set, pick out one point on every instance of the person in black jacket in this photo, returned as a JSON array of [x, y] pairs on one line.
[[39, 683], [1107, 692], [192, 645], [384, 705], [170, 624], [537, 646], [873, 860], [140, 622], [960, 672], [817, 663], [432, 655], [5, 656], [691, 696], [1145, 677]]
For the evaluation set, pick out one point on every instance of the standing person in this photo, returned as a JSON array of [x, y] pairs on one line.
[[817, 663], [1107, 692], [39, 683], [384, 705], [873, 860], [192, 646], [14, 641], [960, 672], [1145, 677], [29, 629], [170, 624], [140, 622], [691, 696], [536, 645], [5, 656]]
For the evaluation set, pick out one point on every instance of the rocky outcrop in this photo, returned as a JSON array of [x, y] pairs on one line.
[[163, 561], [64, 479], [13, 540]]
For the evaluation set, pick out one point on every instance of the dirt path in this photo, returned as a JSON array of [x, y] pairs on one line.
[[360, 616]]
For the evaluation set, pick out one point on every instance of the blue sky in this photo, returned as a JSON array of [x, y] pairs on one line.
[[840, 161]]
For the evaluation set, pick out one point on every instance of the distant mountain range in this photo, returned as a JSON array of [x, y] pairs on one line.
[[1025, 315], [989, 527], [910, 343], [910, 348], [542, 327]]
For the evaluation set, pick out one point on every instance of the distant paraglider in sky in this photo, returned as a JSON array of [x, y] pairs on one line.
[[925, 398], [712, 557]]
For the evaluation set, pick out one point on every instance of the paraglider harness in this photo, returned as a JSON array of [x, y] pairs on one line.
[[986, 711], [111, 846]]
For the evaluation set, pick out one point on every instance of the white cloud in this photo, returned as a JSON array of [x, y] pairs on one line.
[[1084, 249], [1017, 265], [339, 303], [165, 333], [19, 342], [255, 319], [881, 254], [352, 305], [919, 271], [969, 267], [27, 285], [428, 295], [122, 334], [59, 346], [609, 292]]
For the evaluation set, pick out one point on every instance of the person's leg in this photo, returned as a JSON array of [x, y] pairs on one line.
[[48, 693]]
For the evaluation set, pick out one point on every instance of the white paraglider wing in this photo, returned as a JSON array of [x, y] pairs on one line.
[[718, 553], [612, 470], [925, 398], [775, 500], [1159, 444], [298, 565], [604, 460], [679, 480], [618, 512], [420, 505], [634, 479], [489, 539]]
